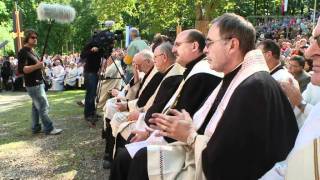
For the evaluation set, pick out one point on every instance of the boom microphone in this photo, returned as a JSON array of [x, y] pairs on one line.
[[108, 24], [56, 12]]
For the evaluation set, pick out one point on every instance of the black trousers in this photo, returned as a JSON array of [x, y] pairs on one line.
[[126, 168], [110, 140], [139, 166]]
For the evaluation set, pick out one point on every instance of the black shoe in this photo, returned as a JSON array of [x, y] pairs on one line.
[[80, 103], [106, 164], [37, 130], [91, 120]]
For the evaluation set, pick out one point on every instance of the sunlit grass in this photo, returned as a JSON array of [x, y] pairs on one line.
[[69, 153]]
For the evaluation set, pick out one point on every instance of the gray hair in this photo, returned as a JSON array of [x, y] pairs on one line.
[[147, 55], [166, 48], [135, 31]]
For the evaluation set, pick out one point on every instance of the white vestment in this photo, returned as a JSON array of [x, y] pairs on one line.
[[71, 77], [58, 73]]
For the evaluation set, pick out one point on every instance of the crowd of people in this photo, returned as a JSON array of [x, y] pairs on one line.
[[284, 27], [62, 72], [225, 106], [8, 74]]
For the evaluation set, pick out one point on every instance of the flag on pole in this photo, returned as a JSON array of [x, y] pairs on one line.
[[17, 30], [127, 36], [284, 6]]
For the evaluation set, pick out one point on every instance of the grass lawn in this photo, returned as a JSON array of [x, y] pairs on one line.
[[75, 154]]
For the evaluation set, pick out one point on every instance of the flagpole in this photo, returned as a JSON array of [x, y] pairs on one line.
[[18, 34]]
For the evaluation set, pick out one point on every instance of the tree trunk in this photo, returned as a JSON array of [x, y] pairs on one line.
[[199, 15], [203, 18]]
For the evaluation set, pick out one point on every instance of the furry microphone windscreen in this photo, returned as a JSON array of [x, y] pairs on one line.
[[59, 13], [108, 24]]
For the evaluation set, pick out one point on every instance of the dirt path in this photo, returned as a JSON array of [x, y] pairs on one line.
[[75, 154]]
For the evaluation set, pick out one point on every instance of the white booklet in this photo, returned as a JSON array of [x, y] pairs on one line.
[[133, 148]]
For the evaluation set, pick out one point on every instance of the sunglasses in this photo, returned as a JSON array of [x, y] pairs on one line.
[[34, 37]]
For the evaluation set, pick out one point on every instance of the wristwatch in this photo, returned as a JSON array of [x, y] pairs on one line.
[[192, 138]]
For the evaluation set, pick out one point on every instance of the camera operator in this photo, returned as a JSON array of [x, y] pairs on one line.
[[93, 56]]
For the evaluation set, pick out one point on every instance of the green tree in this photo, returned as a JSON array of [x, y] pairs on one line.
[[85, 23], [5, 26]]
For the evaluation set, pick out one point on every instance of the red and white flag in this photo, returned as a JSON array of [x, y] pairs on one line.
[[284, 6]]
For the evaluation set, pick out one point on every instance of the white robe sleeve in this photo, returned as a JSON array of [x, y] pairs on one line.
[[277, 172]]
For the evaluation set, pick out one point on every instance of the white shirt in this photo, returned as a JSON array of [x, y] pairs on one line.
[[80, 71], [58, 73], [311, 96], [72, 75], [282, 75]]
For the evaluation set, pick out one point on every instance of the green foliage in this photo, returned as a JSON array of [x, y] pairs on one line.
[[3, 13], [63, 37], [86, 21]]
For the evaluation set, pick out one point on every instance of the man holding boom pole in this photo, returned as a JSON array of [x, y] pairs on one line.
[[30, 65]]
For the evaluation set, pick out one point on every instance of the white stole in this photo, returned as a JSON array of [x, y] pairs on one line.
[[201, 67], [253, 62]]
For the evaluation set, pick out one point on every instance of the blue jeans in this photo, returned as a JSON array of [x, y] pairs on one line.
[[40, 109], [91, 82]]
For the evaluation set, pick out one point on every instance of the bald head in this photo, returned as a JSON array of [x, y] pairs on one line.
[[188, 46], [143, 61], [195, 35]]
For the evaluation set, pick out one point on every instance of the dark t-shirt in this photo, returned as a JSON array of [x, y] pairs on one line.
[[26, 58], [92, 59]]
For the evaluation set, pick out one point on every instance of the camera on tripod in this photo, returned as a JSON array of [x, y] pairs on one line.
[[105, 39]]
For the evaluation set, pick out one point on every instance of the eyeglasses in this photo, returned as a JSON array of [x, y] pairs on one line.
[[34, 37], [177, 44], [155, 56], [211, 42]]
